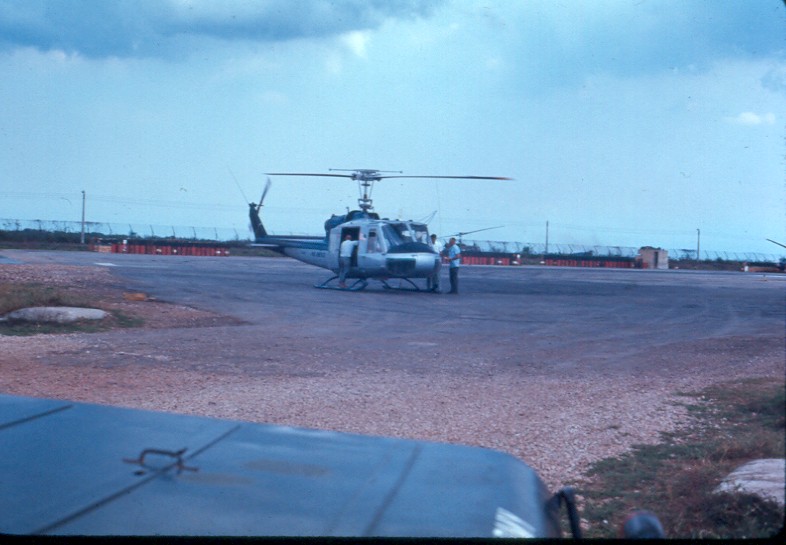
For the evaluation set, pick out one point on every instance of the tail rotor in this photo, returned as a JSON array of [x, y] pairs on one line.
[[264, 192], [256, 223]]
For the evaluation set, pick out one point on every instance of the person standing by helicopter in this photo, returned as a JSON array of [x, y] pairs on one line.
[[345, 259], [453, 252], [433, 280]]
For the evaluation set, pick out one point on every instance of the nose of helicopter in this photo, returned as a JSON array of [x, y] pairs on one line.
[[414, 265]]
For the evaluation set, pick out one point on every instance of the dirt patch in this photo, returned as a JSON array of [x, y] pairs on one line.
[[97, 286]]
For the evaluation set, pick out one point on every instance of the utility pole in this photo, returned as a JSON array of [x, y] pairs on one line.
[[698, 244], [82, 237], [547, 237]]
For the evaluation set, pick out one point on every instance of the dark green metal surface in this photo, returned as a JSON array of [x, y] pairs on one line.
[[68, 468]]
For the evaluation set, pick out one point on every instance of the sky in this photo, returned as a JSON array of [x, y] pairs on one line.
[[621, 122]]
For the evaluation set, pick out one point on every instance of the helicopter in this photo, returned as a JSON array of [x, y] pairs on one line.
[[386, 249]]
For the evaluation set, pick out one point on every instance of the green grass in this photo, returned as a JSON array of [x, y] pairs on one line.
[[17, 296], [733, 424]]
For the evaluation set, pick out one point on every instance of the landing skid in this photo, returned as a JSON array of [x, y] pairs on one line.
[[400, 287], [357, 285], [361, 283]]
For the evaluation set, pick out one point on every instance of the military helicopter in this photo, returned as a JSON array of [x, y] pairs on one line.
[[387, 249]]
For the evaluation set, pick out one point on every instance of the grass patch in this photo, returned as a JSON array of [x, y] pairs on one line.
[[733, 424], [18, 296], [115, 320]]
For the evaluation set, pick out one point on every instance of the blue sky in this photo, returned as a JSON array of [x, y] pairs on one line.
[[622, 122]]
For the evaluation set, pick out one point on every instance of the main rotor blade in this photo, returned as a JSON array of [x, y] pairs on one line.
[[475, 231], [307, 174], [455, 177], [354, 174], [778, 243]]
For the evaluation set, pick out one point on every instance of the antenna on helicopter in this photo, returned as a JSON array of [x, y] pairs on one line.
[[428, 218], [237, 184]]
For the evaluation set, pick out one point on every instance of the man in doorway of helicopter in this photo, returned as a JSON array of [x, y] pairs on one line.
[[433, 280], [345, 259], [453, 252]]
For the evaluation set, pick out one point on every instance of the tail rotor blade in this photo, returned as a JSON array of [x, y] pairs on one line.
[[264, 192]]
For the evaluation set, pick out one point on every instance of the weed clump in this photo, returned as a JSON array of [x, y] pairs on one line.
[[677, 478], [15, 296]]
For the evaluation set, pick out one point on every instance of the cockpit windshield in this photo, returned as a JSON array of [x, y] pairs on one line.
[[404, 233], [420, 232]]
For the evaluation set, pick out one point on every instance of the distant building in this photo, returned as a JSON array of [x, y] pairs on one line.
[[652, 258]]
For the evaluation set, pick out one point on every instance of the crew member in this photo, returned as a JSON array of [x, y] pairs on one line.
[[454, 255], [345, 259], [433, 280]]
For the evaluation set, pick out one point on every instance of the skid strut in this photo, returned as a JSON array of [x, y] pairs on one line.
[[357, 285]]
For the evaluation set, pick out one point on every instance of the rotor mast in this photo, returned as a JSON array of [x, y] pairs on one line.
[[365, 179]]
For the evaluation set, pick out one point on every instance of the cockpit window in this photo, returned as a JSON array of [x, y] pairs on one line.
[[420, 232], [373, 245], [400, 233], [403, 231], [393, 235]]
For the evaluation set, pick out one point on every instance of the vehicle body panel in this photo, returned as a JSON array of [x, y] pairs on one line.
[[74, 468]]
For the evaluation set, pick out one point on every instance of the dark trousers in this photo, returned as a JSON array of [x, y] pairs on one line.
[[454, 279], [344, 264], [432, 282]]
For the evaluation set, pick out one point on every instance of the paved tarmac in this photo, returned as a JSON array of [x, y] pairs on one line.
[[563, 317], [559, 367]]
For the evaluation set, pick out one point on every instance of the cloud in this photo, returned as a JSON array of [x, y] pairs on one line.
[[149, 28], [357, 41], [751, 118], [563, 42]]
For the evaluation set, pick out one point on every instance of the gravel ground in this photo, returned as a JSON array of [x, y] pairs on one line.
[[559, 421]]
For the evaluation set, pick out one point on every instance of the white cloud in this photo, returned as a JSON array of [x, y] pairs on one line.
[[357, 41], [752, 118]]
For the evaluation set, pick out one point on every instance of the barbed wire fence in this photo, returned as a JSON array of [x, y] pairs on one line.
[[223, 234]]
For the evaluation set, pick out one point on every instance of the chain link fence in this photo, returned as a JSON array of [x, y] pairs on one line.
[[222, 234], [579, 250], [126, 231]]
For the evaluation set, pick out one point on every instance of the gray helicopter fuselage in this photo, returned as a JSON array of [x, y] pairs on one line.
[[385, 249]]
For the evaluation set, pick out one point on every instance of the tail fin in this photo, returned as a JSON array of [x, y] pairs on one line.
[[256, 223]]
